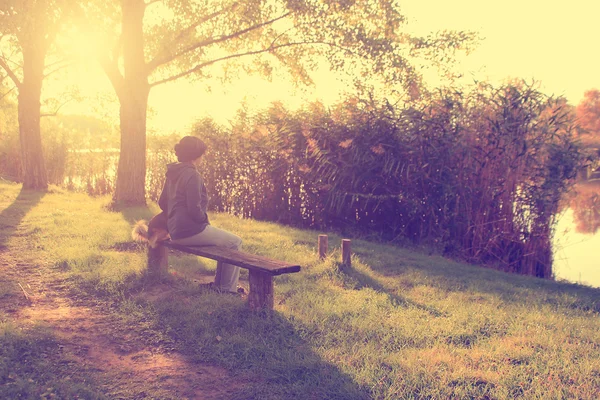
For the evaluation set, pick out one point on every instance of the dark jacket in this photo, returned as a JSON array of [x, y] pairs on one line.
[[185, 200]]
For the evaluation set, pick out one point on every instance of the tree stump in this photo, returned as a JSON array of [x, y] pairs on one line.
[[261, 290]]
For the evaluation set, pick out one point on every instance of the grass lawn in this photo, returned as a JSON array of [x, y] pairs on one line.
[[398, 324]]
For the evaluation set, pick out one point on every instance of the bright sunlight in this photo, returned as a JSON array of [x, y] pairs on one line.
[[291, 199]]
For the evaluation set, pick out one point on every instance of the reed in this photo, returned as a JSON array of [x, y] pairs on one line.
[[476, 174]]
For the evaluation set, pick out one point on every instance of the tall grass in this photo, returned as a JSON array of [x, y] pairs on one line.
[[478, 175]]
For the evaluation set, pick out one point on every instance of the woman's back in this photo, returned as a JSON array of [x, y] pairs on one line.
[[185, 200]]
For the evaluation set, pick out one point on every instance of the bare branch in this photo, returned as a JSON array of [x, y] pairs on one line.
[[58, 68], [7, 93], [10, 72], [207, 42], [60, 60], [238, 55], [151, 2], [9, 59], [55, 113]]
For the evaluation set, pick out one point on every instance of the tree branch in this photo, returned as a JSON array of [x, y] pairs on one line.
[[10, 72], [55, 113], [117, 48], [184, 33], [207, 42], [58, 68], [60, 60], [10, 60], [238, 55], [151, 2], [7, 93], [110, 68]]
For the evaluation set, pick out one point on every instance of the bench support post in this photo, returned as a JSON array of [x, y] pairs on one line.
[[158, 262], [261, 290]]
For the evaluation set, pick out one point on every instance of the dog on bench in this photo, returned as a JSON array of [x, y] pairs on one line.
[[152, 232]]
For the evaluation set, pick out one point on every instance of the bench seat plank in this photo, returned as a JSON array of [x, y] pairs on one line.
[[248, 261]]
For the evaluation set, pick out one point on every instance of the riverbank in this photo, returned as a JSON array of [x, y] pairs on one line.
[[79, 318]]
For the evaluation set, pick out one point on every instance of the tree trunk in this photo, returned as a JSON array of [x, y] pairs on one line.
[[133, 98], [131, 171], [32, 158]]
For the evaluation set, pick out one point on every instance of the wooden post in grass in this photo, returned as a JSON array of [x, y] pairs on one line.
[[158, 261], [346, 252], [322, 246]]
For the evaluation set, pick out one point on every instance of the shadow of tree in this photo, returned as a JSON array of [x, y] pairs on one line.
[[363, 280], [265, 349], [11, 216], [134, 214], [33, 365], [452, 276], [413, 268]]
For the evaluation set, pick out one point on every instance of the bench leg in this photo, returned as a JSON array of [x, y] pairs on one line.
[[158, 262], [261, 290]]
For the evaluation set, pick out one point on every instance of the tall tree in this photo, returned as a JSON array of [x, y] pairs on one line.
[[27, 30], [160, 41], [588, 116]]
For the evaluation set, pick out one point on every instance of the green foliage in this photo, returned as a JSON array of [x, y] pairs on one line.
[[184, 37]]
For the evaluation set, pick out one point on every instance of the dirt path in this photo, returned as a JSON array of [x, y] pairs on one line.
[[127, 366]]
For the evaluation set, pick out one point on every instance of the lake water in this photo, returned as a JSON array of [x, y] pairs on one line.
[[577, 239]]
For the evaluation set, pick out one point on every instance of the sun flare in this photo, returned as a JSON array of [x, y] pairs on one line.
[[83, 42]]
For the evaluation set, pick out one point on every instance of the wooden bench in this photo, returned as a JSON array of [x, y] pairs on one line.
[[260, 269]]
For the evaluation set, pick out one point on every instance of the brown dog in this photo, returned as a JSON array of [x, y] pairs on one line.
[[153, 232]]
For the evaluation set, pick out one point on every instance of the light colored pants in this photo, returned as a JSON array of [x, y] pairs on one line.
[[227, 275]]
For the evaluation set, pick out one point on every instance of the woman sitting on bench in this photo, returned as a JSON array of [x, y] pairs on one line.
[[184, 200]]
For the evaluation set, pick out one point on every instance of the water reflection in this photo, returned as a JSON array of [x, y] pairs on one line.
[[585, 204], [577, 237]]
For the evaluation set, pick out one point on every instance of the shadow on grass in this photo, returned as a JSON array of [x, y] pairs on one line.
[[134, 214], [32, 365], [11, 216], [453, 276], [364, 280], [414, 268], [268, 352]]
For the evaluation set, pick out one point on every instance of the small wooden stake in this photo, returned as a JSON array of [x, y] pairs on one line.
[[322, 246], [346, 252], [261, 290], [158, 261], [24, 292]]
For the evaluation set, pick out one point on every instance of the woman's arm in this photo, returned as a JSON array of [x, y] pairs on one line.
[[197, 199], [162, 200]]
